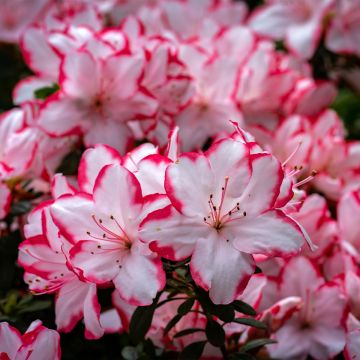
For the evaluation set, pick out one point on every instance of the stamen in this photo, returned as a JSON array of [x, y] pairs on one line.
[[224, 188], [306, 180], [292, 154], [120, 227]]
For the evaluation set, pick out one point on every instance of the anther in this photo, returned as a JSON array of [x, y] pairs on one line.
[[244, 213], [99, 246]]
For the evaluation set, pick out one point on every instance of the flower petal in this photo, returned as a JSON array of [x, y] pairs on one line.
[[218, 267], [189, 183], [272, 233]]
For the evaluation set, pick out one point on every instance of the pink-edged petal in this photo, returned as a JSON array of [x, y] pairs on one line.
[[152, 203], [273, 20], [77, 300], [39, 343], [290, 341], [10, 340], [80, 77], [302, 39], [279, 313], [60, 186], [348, 210], [230, 158], [329, 307], [260, 195], [328, 342], [117, 192], [92, 161], [93, 328], [141, 105], [97, 262], [253, 292], [73, 216], [218, 267], [294, 285], [5, 200], [309, 98], [131, 159], [38, 53], [352, 349], [110, 321], [124, 309], [123, 69], [112, 133], [170, 234], [189, 183], [140, 278], [60, 117], [172, 150], [21, 150], [151, 174], [272, 233], [352, 289]]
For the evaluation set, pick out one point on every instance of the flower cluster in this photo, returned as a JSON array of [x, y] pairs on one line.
[[212, 177]]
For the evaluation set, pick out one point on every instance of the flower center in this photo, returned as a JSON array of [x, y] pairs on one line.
[[109, 235], [217, 217]]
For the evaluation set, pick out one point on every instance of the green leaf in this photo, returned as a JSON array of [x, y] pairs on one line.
[[254, 344], [251, 322], [244, 308], [225, 312], [35, 306], [141, 321], [192, 351], [215, 333], [187, 332], [70, 163], [45, 92], [129, 353], [205, 301], [185, 307], [20, 208], [24, 301], [172, 323]]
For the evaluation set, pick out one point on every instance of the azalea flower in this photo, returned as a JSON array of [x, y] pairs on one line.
[[317, 328], [343, 33], [298, 22], [222, 211], [16, 15], [44, 255], [93, 100], [348, 212], [104, 234], [38, 343]]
